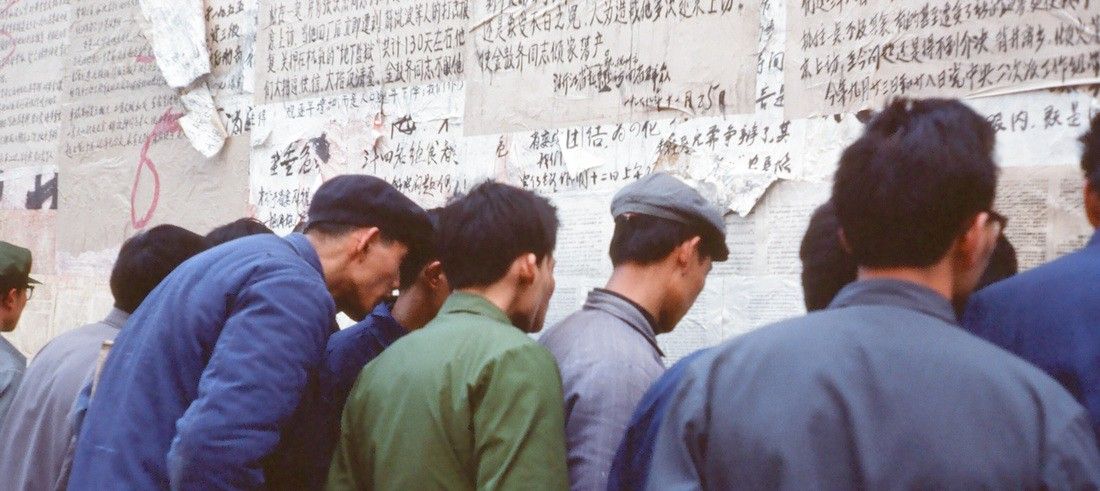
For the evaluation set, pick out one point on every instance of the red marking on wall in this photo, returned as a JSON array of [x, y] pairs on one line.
[[11, 52], [143, 58], [167, 124], [11, 3]]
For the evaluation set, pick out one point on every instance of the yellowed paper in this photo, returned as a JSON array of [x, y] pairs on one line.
[[533, 64]]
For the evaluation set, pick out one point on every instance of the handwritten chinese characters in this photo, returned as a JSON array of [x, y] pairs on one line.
[[845, 55], [550, 63]]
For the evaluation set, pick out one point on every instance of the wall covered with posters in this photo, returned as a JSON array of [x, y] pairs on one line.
[[117, 115]]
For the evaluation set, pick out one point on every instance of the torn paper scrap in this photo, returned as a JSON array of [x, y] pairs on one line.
[[201, 124], [177, 32]]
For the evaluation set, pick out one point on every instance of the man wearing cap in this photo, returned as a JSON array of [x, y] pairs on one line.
[[36, 438], [16, 286], [209, 372], [666, 236]]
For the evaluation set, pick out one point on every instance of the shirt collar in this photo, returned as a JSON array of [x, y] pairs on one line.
[[14, 354], [897, 293], [627, 311], [387, 326], [116, 318], [301, 245], [462, 302]]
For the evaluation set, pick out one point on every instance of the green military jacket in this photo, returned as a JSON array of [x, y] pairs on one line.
[[467, 402]]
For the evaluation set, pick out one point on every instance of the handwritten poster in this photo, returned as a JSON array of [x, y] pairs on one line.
[[537, 64], [847, 55]]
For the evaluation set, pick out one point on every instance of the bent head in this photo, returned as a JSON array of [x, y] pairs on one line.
[[500, 239], [916, 191], [362, 228]]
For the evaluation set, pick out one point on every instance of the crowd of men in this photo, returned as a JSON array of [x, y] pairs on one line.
[[221, 365]]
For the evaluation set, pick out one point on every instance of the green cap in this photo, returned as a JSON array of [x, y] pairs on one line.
[[15, 262]]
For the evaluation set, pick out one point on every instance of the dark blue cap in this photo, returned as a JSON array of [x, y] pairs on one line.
[[367, 201]]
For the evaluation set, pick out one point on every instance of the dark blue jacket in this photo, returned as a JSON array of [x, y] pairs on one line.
[[206, 374], [630, 467], [347, 352], [1050, 316]]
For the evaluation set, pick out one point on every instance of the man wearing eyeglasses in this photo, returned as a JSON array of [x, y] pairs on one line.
[[1050, 315], [882, 389], [16, 287]]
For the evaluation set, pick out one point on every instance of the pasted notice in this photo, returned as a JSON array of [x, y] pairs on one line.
[[33, 38], [409, 136], [539, 63], [124, 150], [1045, 210], [845, 55], [114, 92], [332, 46], [231, 37]]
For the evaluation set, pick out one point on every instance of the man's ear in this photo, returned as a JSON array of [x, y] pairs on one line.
[[687, 252], [843, 239], [433, 274], [364, 238], [973, 244], [526, 267], [9, 298], [1092, 204]]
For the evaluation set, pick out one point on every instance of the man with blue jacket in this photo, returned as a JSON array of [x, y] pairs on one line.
[[210, 370], [1050, 315]]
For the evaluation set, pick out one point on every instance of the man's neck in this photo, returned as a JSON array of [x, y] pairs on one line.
[[408, 310], [501, 294], [640, 284], [936, 277]]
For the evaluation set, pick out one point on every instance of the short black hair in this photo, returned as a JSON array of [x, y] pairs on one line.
[[416, 260], [488, 228], [910, 184], [147, 258], [826, 266], [645, 239], [1002, 264], [236, 229], [1090, 158]]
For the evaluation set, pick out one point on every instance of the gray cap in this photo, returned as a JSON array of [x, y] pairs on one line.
[[662, 195]]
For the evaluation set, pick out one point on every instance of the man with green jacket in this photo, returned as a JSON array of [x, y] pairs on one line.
[[469, 401]]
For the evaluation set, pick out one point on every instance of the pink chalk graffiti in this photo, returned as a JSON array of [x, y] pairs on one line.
[[167, 124]]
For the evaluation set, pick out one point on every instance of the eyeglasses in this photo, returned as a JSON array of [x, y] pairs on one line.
[[998, 219], [30, 292]]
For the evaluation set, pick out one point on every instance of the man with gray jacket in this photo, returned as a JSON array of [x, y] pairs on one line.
[[666, 236]]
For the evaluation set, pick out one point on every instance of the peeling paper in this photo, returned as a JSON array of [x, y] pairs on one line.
[[177, 31], [728, 185], [201, 124], [1045, 207]]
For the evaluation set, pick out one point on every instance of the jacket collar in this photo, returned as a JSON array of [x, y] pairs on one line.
[[625, 310], [387, 327], [895, 293], [116, 318], [462, 302], [301, 245]]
